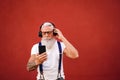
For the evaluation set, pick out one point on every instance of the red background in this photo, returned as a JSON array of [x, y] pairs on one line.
[[92, 26]]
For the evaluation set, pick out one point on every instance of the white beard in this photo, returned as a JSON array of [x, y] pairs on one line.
[[48, 42]]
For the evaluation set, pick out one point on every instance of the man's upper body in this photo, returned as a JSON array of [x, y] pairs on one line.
[[50, 65], [50, 58]]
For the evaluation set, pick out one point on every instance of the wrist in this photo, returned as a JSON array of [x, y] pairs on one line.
[[37, 63]]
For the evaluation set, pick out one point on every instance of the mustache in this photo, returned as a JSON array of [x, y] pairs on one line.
[[46, 38]]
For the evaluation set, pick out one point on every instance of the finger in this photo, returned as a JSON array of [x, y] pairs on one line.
[[43, 56]]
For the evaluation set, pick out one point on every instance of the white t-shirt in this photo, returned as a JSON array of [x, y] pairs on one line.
[[50, 66]]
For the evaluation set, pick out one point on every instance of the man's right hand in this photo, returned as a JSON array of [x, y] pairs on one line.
[[40, 58]]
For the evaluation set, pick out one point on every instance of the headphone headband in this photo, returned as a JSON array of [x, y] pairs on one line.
[[47, 24]]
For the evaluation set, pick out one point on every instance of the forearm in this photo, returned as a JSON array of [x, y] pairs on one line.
[[71, 51], [31, 66]]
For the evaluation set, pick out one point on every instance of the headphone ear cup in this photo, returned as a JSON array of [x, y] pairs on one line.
[[54, 33], [40, 34]]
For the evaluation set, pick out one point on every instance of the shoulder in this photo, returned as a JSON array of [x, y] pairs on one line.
[[62, 45], [34, 48], [35, 45]]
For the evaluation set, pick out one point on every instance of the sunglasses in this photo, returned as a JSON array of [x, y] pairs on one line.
[[47, 32]]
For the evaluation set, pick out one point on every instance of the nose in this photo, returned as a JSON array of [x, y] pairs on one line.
[[46, 34]]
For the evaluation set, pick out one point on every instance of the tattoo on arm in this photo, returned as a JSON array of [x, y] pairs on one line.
[[31, 66]]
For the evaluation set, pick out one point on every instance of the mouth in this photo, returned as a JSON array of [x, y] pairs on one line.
[[47, 38]]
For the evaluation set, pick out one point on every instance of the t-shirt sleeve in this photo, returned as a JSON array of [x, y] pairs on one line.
[[63, 46], [34, 49]]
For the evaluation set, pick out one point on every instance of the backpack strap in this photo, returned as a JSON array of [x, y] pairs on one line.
[[41, 66]]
